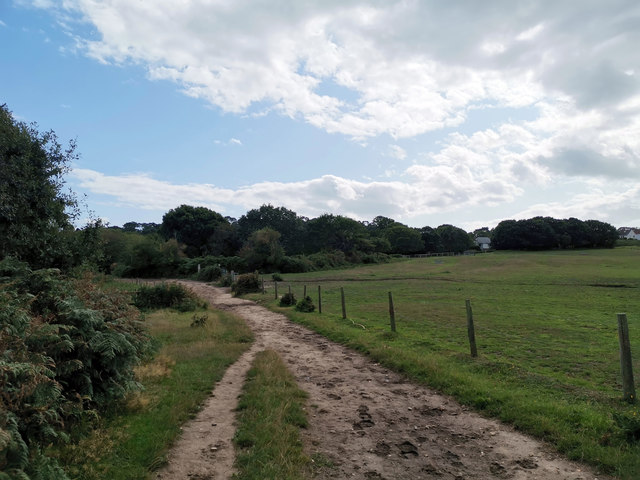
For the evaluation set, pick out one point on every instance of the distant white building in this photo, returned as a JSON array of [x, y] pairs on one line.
[[629, 233], [483, 242], [634, 234]]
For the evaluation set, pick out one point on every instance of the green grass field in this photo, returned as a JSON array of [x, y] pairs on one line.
[[546, 331]]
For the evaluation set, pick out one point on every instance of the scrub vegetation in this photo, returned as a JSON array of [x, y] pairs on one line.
[[133, 440]]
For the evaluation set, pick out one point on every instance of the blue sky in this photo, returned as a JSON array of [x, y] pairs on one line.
[[427, 112]]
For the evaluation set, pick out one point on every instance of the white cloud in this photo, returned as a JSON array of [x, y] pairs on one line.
[[398, 69], [396, 151], [595, 204], [425, 190], [407, 63]]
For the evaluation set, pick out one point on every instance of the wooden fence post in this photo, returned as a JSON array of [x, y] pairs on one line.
[[275, 284], [629, 390], [344, 306], [319, 300], [470, 330], [304, 294], [289, 289], [392, 313]]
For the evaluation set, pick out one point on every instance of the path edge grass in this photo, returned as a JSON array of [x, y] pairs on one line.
[[270, 413]]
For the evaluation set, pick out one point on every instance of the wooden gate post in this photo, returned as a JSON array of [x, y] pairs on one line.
[[344, 306], [470, 330], [628, 387], [392, 313]]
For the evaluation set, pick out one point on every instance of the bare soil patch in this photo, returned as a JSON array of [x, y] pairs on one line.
[[365, 421]]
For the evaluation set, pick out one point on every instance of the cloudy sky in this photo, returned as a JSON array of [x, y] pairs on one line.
[[429, 112]]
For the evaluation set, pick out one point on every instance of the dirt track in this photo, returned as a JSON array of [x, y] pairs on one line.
[[366, 422]]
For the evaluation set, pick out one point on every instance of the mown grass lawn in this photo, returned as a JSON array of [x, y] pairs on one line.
[[546, 330]]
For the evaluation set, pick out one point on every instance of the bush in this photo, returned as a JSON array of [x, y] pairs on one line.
[[305, 305], [370, 258], [326, 260], [165, 295], [288, 300], [67, 351], [247, 283], [276, 277], [295, 265], [209, 273], [199, 320], [225, 281]]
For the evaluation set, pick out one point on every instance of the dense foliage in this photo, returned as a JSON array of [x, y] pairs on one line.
[[66, 347], [32, 204], [165, 295], [271, 239], [66, 352], [546, 233]]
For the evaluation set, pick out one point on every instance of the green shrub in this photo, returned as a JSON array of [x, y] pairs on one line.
[[67, 351], [199, 320], [326, 260], [165, 295], [226, 281], [305, 305], [276, 277], [247, 283], [209, 273], [629, 424], [295, 265], [288, 300]]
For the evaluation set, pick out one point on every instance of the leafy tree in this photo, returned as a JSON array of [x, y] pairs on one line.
[[263, 250], [453, 239], [380, 224], [537, 234], [431, 240], [335, 232], [143, 228], [506, 235], [601, 234], [280, 219], [390, 236], [34, 210], [403, 239], [540, 233], [193, 226]]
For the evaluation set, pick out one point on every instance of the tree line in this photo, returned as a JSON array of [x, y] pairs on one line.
[[276, 239], [268, 238]]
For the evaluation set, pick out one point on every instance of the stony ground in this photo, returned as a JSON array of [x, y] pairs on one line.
[[366, 422]]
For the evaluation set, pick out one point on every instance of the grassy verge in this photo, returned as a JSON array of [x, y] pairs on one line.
[[546, 331], [132, 442], [271, 412]]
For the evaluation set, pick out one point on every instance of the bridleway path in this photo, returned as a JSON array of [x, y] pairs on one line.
[[365, 421]]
